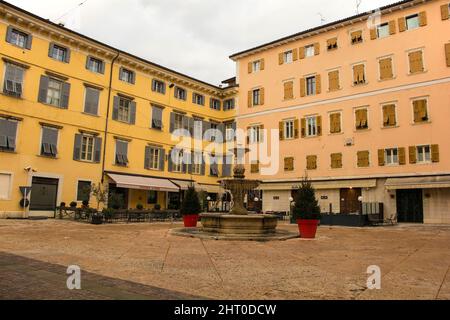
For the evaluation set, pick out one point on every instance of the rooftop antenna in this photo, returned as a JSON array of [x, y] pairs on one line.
[[322, 18], [70, 11], [358, 4]]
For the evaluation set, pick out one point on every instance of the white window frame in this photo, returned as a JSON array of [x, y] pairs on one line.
[[311, 126], [228, 108], [255, 134], [310, 51], [288, 56], [50, 99], [93, 62], [378, 28], [256, 66], [10, 187], [424, 160], [124, 106], [90, 138], [155, 155], [178, 95], [22, 83], [389, 154], [256, 93], [199, 99], [158, 86], [307, 86], [19, 34], [412, 16], [289, 129], [129, 75], [59, 49], [197, 163], [177, 165], [229, 132]]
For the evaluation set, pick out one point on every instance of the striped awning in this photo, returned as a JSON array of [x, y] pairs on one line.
[[436, 182], [143, 183]]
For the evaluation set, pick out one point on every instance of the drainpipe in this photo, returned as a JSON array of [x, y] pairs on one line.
[[107, 114]]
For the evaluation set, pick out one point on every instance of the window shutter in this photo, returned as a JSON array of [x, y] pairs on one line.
[[416, 61], [447, 53], [302, 87], [381, 157], [97, 149], [386, 69], [392, 27], [43, 88], [333, 79], [281, 58], [402, 156], [373, 34], [281, 130], [435, 153], [302, 53], [65, 94], [295, 54], [262, 64], [316, 48], [261, 96], [288, 90], [250, 70], [423, 18], [296, 128], [333, 123], [132, 112], [115, 113], [88, 60], [162, 159], [412, 155], [102, 67], [9, 34], [169, 161], [147, 158], [77, 147], [319, 125], [364, 118], [133, 77], [337, 125], [445, 12], [203, 166], [250, 99], [358, 119], [50, 50], [318, 84], [67, 59], [402, 24], [92, 100], [303, 127]]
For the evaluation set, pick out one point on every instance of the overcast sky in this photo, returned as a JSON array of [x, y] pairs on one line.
[[194, 37]]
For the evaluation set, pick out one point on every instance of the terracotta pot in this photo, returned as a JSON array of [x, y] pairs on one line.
[[190, 221], [307, 228]]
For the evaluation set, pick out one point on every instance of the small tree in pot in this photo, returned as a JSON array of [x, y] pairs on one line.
[[306, 210], [191, 208]]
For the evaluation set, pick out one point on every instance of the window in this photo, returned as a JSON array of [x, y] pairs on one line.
[[229, 104], [152, 158], [92, 97], [230, 131], [177, 160], [386, 71], [335, 123], [309, 51], [254, 167], [95, 65], [49, 142], [152, 197], [357, 37], [412, 22], [256, 97], [83, 191], [363, 159], [13, 84], [333, 80], [311, 162], [310, 86], [214, 167], [59, 53], [311, 129], [383, 30], [389, 115], [124, 110], [361, 116], [87, 148], [18, 38], [423, 154], [180, 93], [359, 76], [289, 128], [198, 128], [289, 164], [158, 86], [288, 90], [178, 123], [197, 163], [447, 53], [127, 76], [5, 186], [157, 113], [214, 128], [416, 64], [255, 134], [121, 153], [332, 44], [54, 92], [391, 156], [256, 66], [8, 133], [445, 11], [215, 104], [336, 160], [420, 107], [198, 99], [288, 57]]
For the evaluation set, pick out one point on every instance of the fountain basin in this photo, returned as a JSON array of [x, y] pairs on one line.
[[260, 224]]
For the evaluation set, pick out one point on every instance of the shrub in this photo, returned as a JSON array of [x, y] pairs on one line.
[[116, 201], [157, 207], [306, 205], [62, 205], [140, 206], [85, 203], [73, 204], [191, 203]]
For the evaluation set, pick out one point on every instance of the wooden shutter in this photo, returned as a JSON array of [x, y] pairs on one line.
[[333, 79], [447, 53], [435, 153], [261, 96], [373, 34], [65, 94], [423, 18], [288, 90], [311, 162], [319, 125], [416, 61], [9, 34], [302, 87], [445, 12], [358, 74], [67, 59], [316, 48], [363, 159], [318, 84], [358, 119], [364, 118], [250, 98], [389, 118], [97, 149], [296, 128], [281, 58], [295, 54], [281, 129], [115, 113], [43, 88], [289, 164], [402, 156], [420, 110], [303, 127], [332, 44], [392, 27], [250, 67], [381, 160], [402, 24], [336, 160], [132, 112], [77, 147], [356, 36], [262, 64], [412, 155], [302, 53]]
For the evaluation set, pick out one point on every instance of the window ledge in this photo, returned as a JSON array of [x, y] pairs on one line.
[[421, 123], [360, 84], [384, 80], [390, 127], [90, 114], [336, 134], [11, 96], [311, 137], [47, 157], [53, 106], [334, 90], [87, 162], [416, 73], [8, 151], [156, 129], [289, 99], [362, 130], [120, 166]]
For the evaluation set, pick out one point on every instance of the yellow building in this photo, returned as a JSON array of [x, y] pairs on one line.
[[76, 112]]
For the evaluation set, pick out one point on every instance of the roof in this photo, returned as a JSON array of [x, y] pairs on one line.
[[320, 28], [64, 29]]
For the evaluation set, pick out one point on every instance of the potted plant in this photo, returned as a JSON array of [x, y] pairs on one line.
[[73, 205], [140, 207], [191, 208], [85, 204], [307, 210], [96, 218]]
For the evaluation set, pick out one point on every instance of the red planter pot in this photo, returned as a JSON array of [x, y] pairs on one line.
[[307, 228], [190, 221]]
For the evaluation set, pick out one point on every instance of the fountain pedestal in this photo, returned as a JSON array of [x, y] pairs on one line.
[[228, 224]]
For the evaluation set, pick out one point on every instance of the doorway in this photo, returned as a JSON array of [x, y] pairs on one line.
[[350, 203], [410, 206], [44, 194]]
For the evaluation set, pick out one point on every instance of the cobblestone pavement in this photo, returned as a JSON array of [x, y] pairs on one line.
[[142, 261]]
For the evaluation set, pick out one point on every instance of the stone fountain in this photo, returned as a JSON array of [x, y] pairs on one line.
[[239, 224]]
